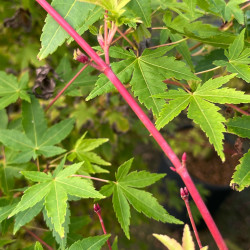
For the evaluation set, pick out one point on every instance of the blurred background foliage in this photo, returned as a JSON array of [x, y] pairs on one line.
[[105, 117]]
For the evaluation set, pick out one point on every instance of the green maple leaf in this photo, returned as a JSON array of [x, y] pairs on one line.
[[83, 152], [228, 9], [11, 89], [199, 31], [146, 72], [73, 12], [141, 9], [61, 241], [241, 175], [126, 190], [37, 139], [26, 216], [238, 58], [90, 243], [241, 127], [9, 170], [201, 108], [55, 190]]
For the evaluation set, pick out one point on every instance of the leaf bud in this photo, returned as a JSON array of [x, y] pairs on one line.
[[80, 57]]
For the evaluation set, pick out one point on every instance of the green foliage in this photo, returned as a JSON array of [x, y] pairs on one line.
[[90, 160], [204, 33], [91, 243], [145, 81], [126, 190], [238, 58], [201, 108], [241, 176], [38, 139], [75, 13], [239, 126], [11, 89], [54, 191]]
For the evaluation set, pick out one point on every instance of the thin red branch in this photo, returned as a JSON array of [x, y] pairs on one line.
[[97, 210], [184, 196], [37, 238], [125, 33], [124, 36], [66, 86], [145, 120], [238, 109]]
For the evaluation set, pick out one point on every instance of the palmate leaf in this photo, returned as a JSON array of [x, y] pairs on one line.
[[125, 191], [238, 58], [54, 35], [82, 151], [241, 175], [38, 139], [55, 192], [90, 243], [11, 89], [201, 109], [147, 73]]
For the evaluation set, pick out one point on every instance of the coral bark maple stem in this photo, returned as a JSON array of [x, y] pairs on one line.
[[145, 120]]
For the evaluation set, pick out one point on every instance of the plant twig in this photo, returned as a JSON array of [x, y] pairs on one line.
[[124, 36], [125, 33], [208, 70], [237, 109], [145, 120], [184, 195], [37, 238], [176, 83], [37, 163], [178, 57], [97, 210], [168, 44], [90, 177], [106, 47], [66, 86]]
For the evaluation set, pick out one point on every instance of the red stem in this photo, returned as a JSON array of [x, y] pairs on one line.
[[237, 109], [97, 209], [37, 238], [193, 224], [68, 84], [145, 120], [185, 198]]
